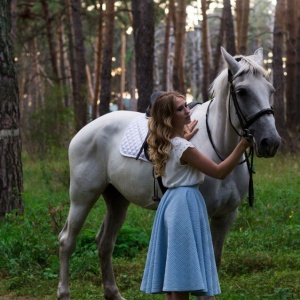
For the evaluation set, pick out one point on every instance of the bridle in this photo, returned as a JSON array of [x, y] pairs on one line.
[[245, 123]]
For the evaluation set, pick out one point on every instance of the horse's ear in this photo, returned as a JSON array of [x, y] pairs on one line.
[[259, 55], [232, 63]]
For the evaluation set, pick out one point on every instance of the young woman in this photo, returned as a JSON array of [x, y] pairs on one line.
[[180, 258]]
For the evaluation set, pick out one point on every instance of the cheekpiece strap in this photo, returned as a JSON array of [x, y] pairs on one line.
[[230, 76]]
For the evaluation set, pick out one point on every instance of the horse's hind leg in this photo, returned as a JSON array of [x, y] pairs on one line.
[[81, 204], [117, 207]]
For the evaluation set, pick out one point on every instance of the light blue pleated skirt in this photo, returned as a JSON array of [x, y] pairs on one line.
[[180, 255]]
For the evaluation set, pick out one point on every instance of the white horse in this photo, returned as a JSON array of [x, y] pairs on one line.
[[97, 167]]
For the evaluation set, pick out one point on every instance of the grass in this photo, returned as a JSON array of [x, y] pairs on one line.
[[261, 258]]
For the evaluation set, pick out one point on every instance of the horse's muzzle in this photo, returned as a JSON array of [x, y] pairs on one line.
[[268, 147]]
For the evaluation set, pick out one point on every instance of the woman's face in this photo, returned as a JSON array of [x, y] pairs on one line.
[[181, 116]]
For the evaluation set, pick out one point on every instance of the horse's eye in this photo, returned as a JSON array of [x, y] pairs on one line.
[[242, 92]]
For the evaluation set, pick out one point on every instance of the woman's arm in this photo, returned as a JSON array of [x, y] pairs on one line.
[[205, 165]]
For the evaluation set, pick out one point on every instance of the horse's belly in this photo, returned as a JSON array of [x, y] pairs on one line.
[[134, 180]]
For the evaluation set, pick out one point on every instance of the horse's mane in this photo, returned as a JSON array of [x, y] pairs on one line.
[[248, 64]]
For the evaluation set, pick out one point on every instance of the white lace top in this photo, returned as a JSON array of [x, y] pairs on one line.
[[177, 174]]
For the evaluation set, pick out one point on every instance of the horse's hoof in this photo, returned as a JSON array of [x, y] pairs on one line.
[[115, 297], [112, 293], [63, 295]]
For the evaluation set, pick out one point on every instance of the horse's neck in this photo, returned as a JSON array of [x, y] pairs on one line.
[[222, 132]]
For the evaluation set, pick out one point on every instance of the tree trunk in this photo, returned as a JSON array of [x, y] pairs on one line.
[[242, 22], [62, 62], [278, 67], [132, 75], [11, 177], [98, 62], [297, 100], [51, 41], [196, 68], [217, 55], [133, 82], [89, 81], [69, 26], [178, 69], [35, 84], [13, 11], [244, 28], [106, 58], [81, 99], [205, 54], [238, 20], [229, 28], [122, 82], [291, 64], [165, 69], [143, 29]]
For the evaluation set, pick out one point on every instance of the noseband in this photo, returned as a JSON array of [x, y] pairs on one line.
[[245, 123]]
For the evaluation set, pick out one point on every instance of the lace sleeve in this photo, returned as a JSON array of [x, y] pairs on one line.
[[180, 146]]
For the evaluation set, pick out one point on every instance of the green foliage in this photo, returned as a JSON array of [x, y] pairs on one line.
[[262, 249], [261, 255], [25, 250], [130, 241], [49, 128]]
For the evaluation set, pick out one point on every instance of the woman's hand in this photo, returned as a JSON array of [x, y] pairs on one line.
[[247, 139], [191, 130], [246, 142]]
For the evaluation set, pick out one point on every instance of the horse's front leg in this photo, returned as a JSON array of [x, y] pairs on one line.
[[115, 216], [219, 229]]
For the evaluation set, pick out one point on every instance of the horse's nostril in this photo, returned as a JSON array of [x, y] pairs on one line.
[[268, 148], [264, 142], [265, 146]]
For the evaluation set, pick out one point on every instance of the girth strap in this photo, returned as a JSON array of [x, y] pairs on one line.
[[163, 189]]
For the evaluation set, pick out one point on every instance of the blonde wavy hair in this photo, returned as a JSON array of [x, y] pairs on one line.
[[161, 130]]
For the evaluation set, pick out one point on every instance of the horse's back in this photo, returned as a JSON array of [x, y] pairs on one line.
[[105, 125], [90, 147], [102, 130]]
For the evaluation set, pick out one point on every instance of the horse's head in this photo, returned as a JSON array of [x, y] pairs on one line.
[[251, 101]]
